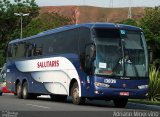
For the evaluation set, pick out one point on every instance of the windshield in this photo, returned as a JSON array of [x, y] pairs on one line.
[[120, 56], [135, 49]]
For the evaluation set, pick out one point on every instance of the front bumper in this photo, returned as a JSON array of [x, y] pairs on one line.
[[105, 87], [104, 93]]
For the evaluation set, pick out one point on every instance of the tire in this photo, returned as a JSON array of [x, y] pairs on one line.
[[25, 93], [58, 98], [19, 90], [1, 94], [75, 95], [120, 103]]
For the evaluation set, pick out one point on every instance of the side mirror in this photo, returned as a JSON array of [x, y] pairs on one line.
[[89, 57]]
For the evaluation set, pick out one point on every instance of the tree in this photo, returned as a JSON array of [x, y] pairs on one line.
[[44, 22], [27, 6], [151, 26], [129, 22], [10, 24]]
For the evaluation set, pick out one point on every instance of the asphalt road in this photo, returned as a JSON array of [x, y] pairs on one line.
[[10, 103]]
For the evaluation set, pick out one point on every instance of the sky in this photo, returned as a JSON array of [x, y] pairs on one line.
[[100, 3]]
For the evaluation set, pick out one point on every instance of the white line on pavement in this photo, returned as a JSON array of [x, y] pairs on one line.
[[37, 106]]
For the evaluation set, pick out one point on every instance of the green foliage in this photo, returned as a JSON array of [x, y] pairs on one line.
[[154, 84], [145, 101], [2, 59], [24, 6], [44, 22], [151, 21], [10, 24], [151, 26], [129, 22]]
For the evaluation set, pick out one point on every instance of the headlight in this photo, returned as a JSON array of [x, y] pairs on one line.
[[143, 87], [98, 84]]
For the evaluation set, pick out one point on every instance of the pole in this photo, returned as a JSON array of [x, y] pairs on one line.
[[21, 25], [21, 15], [130, 10]]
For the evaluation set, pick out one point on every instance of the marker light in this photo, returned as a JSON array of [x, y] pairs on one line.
[[98, 84], [96, 92], [143, 87]]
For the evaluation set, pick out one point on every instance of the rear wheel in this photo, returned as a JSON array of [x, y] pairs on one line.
[[120, 103], [75, 95], [58, 98], [19, 90], [0, 93], [25, 93]]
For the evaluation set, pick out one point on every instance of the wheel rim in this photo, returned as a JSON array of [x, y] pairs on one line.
[[18, 90], [24, 92], [76, 94]]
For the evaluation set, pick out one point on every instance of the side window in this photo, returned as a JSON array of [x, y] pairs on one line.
[[38, 47], [15, 48], [20, 53], [50, 44], [62, 42], [9, 51], [12, 49], [37, 50], [84, 38], [74, 41], [70, 38], [29, 49]]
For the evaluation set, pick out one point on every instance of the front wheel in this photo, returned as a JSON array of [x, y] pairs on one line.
[[75, 95], [120, 103]]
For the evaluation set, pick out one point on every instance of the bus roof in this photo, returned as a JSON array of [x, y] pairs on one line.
[[87, 25]]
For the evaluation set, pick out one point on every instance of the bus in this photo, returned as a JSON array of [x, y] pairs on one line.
[[84, 61]]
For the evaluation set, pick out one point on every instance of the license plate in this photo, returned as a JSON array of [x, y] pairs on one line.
[[124, 93]]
